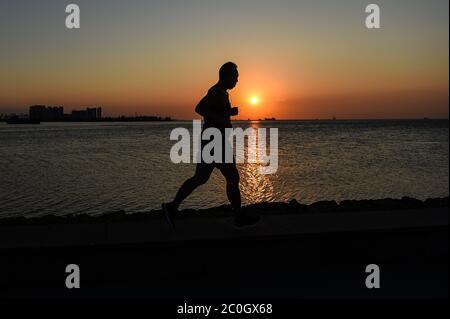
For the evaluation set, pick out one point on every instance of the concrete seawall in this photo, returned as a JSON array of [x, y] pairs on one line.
[[295, 252]]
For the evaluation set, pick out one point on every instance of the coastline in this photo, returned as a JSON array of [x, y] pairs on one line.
[[264, 208], [295, 252], [278, 219]]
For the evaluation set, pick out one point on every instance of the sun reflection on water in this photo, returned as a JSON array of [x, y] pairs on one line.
[[255, 187]]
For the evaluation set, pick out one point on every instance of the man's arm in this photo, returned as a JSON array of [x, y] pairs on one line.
[[206, 109]]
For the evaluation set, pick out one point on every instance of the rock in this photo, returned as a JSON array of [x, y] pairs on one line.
[[358, 205], [408, 202], [436, 202], [114, 217], [13, 221], [294, 204], [266, 208], [81, 218], [324, 206], [297, 207], [380, 204]]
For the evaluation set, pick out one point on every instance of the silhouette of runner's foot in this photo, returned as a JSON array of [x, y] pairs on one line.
[[245, 219], [169, 211]]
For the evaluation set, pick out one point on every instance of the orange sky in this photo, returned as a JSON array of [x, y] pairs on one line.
[[302, 60]]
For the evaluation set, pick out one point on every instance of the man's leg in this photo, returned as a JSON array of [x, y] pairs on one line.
[[202, 173], [241, 218], [231, 174]]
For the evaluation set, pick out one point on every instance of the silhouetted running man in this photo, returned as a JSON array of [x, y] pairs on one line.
[[216, 110]]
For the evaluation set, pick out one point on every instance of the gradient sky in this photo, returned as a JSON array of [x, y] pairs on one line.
[[303, 59]]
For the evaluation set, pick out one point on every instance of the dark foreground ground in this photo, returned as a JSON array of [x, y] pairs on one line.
[[296, 252]]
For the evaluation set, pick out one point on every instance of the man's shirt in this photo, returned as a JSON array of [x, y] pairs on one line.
[[215, 108]]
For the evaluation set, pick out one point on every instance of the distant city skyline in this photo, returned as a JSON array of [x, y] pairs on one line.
[[297, 59], [56, 113], [46, 113], [26, 111]]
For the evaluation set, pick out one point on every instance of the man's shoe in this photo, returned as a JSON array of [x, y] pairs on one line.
[[169, 212], [245, 219]]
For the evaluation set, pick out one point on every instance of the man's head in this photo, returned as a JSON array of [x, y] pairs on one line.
[[228, 75]]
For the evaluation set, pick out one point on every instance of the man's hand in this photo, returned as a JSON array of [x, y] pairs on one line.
[[234, 111]]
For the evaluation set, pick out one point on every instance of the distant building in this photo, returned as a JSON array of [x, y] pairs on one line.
[[37, 112], [91, 114], [79, 116], [54, 113], [43, 113]]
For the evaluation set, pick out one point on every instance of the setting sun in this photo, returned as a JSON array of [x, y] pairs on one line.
[[254, 100]]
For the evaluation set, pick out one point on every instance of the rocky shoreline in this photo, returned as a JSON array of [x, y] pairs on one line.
[[266, 208]]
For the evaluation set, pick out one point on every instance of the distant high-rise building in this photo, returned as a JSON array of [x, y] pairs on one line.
[[54, 113], [37, 112], [94, 113], [43, 113], [91, 114], [79, 116]]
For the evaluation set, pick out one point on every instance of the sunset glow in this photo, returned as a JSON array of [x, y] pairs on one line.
[[254, 100], [166, 56]]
